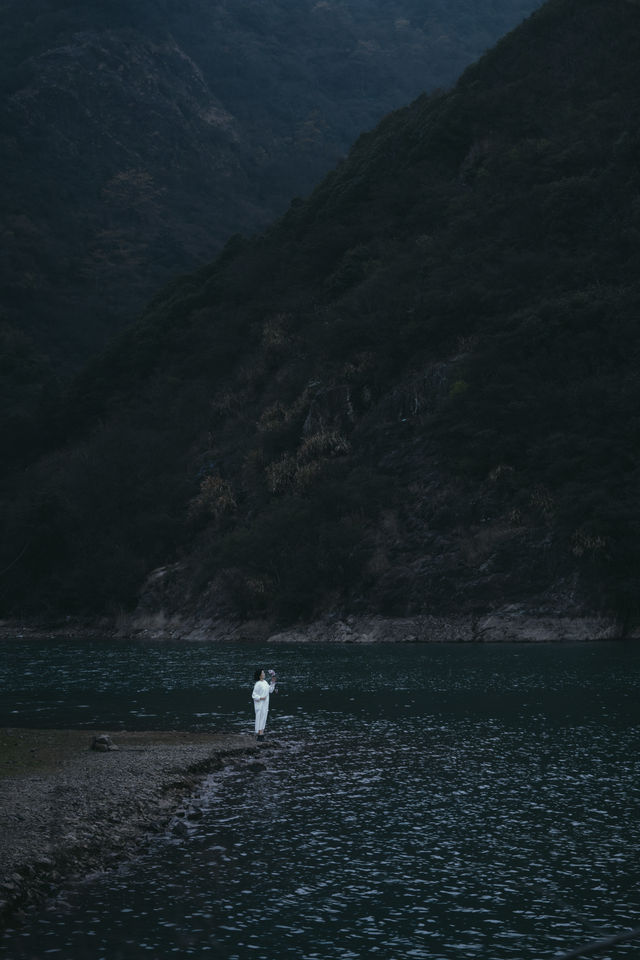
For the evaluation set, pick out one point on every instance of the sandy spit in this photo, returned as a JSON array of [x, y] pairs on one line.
[[67, 810]]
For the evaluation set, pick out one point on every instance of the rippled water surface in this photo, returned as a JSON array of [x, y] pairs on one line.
[[432, 802]]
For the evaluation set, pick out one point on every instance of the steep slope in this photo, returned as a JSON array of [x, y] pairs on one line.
[[417, 393], [137, 137]]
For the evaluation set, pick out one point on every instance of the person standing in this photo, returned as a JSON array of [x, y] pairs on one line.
[[260, 696]]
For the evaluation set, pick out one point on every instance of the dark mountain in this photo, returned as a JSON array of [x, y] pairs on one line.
[[416, 393], [136, 137]]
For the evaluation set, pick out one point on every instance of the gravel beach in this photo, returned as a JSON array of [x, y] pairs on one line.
[[67, 810]]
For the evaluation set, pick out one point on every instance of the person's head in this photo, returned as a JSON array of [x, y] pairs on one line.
[[259, 674]]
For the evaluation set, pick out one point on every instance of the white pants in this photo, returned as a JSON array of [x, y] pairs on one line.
[[262, 709]]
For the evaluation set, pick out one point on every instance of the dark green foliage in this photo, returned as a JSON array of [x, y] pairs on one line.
[[137, 136], [26, 385], [418, 392]]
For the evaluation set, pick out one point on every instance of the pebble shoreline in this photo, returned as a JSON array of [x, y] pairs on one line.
[[96, 809]]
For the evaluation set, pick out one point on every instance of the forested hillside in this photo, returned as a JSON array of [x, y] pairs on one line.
[[417, 392], [136, 137]]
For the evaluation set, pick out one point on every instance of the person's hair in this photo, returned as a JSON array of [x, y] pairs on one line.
[[256, 675]]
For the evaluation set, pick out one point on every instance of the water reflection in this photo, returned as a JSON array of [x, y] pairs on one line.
[[431, 803]]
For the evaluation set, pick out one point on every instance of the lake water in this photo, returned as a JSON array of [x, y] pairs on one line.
[[439, 802]]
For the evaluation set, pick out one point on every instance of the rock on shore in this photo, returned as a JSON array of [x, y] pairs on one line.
[[67, 810], [506, 625]]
